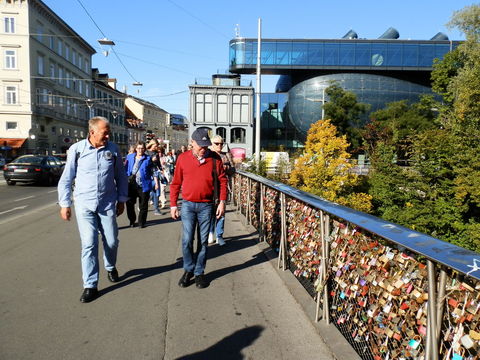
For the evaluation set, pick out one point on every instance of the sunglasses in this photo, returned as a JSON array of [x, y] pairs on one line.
[[218, 143]]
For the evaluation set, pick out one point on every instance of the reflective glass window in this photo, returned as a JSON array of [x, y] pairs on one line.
[[362, 54], [331, 54], [251, 53], [347, 54], [268, 52], [410, 54], [394, 55], [441, 50], [427, 54], [378, 55], [315, 54], [284, 50], [299, 53]]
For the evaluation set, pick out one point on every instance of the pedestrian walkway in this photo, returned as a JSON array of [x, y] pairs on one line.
[[247, 312]]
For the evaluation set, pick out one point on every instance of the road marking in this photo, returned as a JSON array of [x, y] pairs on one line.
[[17, 208], [52, 191], [25, 198]]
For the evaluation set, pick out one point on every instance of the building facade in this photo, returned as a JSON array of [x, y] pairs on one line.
[[225, 108], [378, 71], [46, 78], [108, 102]]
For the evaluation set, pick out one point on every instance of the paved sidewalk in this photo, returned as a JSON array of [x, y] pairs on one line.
[[247, 312]]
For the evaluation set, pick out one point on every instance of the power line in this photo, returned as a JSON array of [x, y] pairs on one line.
[[103, 34]]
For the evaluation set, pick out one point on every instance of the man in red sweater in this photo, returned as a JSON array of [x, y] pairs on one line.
[[194, 176]]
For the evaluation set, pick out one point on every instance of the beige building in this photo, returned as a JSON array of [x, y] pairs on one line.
[[45, 79], [153, 117]]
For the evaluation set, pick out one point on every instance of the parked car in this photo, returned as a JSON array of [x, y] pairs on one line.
[[43, 169], [61, 157]]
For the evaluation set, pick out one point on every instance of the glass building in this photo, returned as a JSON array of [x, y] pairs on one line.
[[378, 71]]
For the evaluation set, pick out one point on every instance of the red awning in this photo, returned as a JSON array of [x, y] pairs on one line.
[[13, 143]]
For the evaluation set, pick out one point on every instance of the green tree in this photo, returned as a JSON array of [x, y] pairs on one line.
[[324, 168], [345, 112], [398, 122]]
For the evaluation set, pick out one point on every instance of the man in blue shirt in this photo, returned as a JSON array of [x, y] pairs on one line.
[[101, 190]]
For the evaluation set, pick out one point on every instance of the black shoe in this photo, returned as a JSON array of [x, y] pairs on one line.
[[141, 226], [89, 294], [185, 279], [132, 224], [201, 281], [113, 275]]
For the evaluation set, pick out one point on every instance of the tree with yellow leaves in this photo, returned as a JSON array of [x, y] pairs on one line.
[[324, 168]]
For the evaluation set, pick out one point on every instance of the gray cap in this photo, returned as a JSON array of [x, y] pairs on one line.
[[201, 137]]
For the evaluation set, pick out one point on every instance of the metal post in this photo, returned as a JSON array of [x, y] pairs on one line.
[[431, 352], [258, 92], [440, 301], [326, 246], [262, 214], [281, 248], [249, 194]]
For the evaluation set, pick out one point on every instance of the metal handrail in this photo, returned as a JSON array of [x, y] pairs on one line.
[[439, 251]]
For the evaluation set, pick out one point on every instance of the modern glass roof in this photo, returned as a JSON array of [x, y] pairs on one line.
[[281, 56]]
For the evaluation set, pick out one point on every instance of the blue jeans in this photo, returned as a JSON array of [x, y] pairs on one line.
[[217, 229], [194, 213], [89, 224], [154, 196]]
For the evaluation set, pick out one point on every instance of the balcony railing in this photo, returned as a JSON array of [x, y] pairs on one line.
[[393, 293]]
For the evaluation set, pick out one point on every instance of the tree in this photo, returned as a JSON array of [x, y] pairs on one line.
[[398, 122], [345, 113], [324, 168]]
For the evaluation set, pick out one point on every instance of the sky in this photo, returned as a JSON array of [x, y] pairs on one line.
[[169, 44]]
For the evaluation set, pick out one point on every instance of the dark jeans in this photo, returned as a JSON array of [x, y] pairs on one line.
[[134, 192]]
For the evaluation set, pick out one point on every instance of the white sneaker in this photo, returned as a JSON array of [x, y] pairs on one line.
[[220, 241], [210, 238]]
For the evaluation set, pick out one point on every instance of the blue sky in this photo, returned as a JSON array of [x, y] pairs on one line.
[[167, 44]]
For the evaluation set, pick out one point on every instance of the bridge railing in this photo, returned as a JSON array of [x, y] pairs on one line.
[[393, 293]]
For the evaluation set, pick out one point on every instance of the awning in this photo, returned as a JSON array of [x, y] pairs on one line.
[[8, 144]]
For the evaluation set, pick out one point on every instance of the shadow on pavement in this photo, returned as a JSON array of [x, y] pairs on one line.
[[256, 259], [135, 275], [230, 347]]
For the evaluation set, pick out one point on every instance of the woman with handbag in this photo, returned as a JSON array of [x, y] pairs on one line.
[[139, 171]]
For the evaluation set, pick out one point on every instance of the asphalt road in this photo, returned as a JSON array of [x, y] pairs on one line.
[[247, 312]]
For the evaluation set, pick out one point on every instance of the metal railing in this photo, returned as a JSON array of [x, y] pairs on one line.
[[394, 293]]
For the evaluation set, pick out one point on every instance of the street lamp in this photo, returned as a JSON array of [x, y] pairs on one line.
[[105, 41], [114, 114], [90, 103]]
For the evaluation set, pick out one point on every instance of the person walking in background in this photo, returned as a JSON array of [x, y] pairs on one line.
[[152, 151], [96, 166], [217, 225], [139, 172], [196, 174]]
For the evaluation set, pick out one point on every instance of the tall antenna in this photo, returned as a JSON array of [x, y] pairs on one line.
[[237, 30]]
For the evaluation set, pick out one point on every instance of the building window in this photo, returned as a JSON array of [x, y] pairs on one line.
[[74, 57], [12, 125], [11, 95], [44, 97], [237, 136], [80, 86], [54, 130], [221, 131], [222, 112], [59, 47], [9, 25], [80, 61], [87, 66], [51, 41], [10, 59], [67, 79], [240, 108], [244, 109], [87, 90], [199, 108], [40, 32], [41, 65], [52, 71], [60, 75], [67, 51]]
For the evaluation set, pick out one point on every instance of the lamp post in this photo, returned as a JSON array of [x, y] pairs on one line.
[[90, 104]]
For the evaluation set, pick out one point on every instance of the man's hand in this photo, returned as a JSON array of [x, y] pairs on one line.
[[174, 213], [220, 209], [120, 208], [65, 213]]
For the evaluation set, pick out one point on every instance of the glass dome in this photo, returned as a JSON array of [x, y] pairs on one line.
[[306, 98]]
